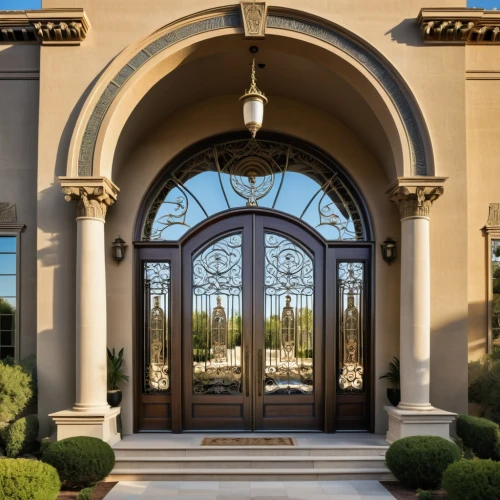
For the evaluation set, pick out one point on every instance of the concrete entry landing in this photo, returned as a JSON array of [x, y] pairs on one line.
[[181, 457]]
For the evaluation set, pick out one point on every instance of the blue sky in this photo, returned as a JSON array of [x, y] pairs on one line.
[[36, 4]]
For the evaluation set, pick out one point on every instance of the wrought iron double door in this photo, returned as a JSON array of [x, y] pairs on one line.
[[252, 326]]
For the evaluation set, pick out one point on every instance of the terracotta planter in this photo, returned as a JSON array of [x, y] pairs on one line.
[[394, 396], [114, 398]]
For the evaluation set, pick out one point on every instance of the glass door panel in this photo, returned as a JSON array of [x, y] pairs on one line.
[[289, 296], [217, 318]]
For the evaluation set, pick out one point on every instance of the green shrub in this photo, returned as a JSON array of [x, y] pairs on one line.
[[85, 494], [419, 461], [481, 435], [21, 436], [484, 384], [46, 442], [23, 479], [28, 364], [81, 461], [15, 392], [424, 495], [472, 480]]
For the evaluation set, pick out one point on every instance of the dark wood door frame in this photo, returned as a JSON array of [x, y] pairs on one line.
[[147, 407]]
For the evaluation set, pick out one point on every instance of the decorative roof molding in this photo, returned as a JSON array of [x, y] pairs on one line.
[[460, 26], [45, 27]]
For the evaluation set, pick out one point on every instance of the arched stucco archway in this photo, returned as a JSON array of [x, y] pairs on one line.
[[143, 64]]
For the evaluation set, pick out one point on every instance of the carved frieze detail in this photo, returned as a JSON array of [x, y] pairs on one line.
[[92, 199], [254, 19], [459, 26], [493, 216], [7, 212], [47, 27], [48, 31], [415, 201]]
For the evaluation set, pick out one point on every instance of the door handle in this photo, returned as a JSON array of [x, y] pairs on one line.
[[260, 378], [247, 371]]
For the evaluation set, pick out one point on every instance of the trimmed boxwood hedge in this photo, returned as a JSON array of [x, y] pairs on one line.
[[419, 461], [473, 480], [81, 461], [480, 434], [24, 479], [21, 436]]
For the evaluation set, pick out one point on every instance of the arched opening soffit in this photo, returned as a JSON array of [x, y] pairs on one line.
[[143, 64]]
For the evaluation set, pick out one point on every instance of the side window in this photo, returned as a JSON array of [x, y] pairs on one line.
[[8, 295], [494, 319]]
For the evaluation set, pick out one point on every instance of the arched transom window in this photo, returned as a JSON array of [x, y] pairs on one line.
[[254, 172]]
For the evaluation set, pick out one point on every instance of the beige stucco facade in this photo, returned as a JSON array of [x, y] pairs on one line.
[[188, 92]]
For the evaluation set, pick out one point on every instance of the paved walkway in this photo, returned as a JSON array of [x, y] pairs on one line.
[[247, 490]]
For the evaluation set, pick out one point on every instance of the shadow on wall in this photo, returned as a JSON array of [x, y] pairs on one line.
[[407, 32], [478, 328], [449, 362]]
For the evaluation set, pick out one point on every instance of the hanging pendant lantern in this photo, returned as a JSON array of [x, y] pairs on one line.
[[253, 105]]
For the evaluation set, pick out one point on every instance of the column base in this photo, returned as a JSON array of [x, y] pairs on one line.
[[405, 423], [98, 424]]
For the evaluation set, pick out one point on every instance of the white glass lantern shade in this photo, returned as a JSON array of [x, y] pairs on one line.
[[253, 112]]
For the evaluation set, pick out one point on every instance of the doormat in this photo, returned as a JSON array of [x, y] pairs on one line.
[[254, 441]]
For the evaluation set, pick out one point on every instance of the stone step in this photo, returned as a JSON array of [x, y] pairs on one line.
[[330, 474], [245, 451], [249, 462]]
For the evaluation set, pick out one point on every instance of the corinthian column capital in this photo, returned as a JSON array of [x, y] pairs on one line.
[[93, 195], [414, 195]]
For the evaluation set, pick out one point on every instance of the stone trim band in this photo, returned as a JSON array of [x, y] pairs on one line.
[[460, 26], [46, 27]]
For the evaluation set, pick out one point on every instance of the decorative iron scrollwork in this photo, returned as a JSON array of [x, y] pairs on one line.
[[289, 276], [288, 269], [217, 270], [156, 295], [216, 328], [350, 292], [258, 171]]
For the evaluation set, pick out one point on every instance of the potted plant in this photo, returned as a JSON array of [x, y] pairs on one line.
[[394, 392], [115, 377]]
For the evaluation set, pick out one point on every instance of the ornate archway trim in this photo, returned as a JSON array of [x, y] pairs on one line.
[[275, 19], [375, 66]]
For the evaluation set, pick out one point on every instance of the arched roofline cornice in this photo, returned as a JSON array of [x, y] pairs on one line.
[[97, 109]]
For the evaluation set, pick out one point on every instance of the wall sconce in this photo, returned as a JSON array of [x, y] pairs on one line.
[[119, 247], [389, 250]]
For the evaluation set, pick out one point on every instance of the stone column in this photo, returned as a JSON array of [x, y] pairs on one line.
[[415, 312], [415, 414], [91, 414]]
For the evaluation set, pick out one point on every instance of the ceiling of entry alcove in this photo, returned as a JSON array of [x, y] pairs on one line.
[[292, 71]]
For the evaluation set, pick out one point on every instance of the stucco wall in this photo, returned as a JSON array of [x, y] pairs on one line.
[[19, 69], [434, 74], [483, 152]]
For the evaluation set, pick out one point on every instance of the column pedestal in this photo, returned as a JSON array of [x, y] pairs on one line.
[[91, 414], [415, 416], [405, 423], [100, 424]]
